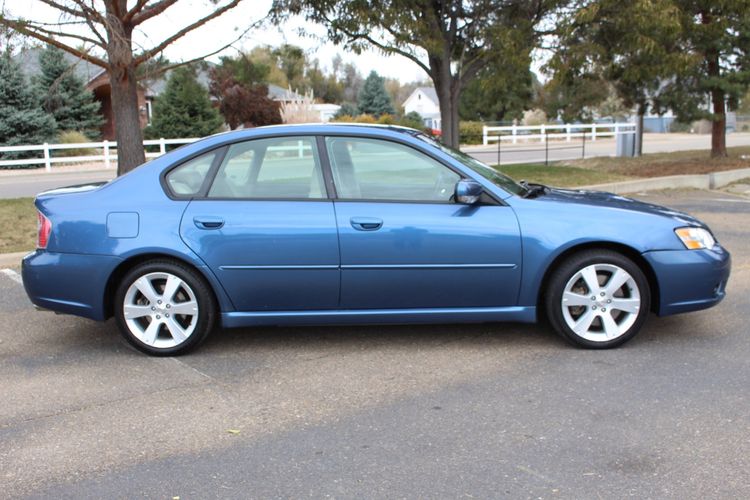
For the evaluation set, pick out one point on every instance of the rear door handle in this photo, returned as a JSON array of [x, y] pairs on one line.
[[205, 222], [366, 223]]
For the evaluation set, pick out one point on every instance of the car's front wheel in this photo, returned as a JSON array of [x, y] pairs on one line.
[[164, 308], [598, 299]]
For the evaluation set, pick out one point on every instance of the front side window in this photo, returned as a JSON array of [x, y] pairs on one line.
[[187, 179], [372, 169], [281, 168], [489, 173]]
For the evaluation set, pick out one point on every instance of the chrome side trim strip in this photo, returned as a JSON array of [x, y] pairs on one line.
[[373, 266]]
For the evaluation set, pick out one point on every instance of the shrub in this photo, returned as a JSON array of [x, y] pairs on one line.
[[677, 126], [534, 117], [365, 118], [387, 119], [73, 137], [300, 110], [412, 120], [343, 118], [346, 109], [470, 132]]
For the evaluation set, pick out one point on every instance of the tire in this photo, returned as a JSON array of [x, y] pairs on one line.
[[597, 299], [164, 308]]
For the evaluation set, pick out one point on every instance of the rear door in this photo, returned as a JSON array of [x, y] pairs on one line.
[[406, 244], [266, 227]]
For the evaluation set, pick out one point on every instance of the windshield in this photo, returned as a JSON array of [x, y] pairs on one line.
[[477, 166]]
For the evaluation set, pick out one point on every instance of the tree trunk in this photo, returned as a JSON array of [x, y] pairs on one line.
[[448, 98], [127, 120], [445, 87], [719, 118], [122, 79], [718, 125], [639, 131], [443, 90], [455, 96]]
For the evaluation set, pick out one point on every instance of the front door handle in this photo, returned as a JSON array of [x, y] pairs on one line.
[[205, 222], [366, 223]]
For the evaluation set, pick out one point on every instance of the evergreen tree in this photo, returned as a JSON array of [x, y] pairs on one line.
[[22, 121], [183, 109], [64, 96], [373, 99], [347, 109]]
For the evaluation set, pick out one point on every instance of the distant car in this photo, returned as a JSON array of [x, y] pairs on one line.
[[351, 224]]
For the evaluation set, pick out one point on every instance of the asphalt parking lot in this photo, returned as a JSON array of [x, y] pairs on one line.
[[472, 411]]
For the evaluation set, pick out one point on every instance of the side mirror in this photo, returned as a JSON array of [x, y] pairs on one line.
[[468, 191]]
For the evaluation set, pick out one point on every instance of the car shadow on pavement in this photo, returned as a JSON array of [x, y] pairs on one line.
[[381, 337]]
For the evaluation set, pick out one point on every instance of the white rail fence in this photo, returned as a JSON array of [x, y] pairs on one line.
[[568, 131], [106, 152]]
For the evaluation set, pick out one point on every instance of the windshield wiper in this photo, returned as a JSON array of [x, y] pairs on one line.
[[533, 189]]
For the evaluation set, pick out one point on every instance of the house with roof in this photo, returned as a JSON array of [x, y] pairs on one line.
[[424, 100]]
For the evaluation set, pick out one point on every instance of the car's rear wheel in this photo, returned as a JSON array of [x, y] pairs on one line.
[[164, 308], [598, 299]]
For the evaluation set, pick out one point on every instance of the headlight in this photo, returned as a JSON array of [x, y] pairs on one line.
[[695, 238]]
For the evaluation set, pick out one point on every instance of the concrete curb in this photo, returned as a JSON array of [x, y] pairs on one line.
[[11, 259], [697, 181]]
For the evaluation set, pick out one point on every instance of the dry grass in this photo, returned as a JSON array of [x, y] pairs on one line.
[[561, 176], [661, 164], [17, 225]]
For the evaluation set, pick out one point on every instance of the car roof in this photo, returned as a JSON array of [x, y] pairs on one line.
[[319, 128]]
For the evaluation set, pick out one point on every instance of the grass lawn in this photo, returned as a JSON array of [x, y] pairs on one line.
[[571, 173], [560, 175], [661, 164], [17, 225]]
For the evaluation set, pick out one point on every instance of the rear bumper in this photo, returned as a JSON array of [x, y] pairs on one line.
[[68, 283], [690, 280]]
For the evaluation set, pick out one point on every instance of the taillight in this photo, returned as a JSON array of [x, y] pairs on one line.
[[44, 227]]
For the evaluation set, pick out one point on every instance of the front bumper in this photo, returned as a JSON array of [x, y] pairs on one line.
[[690, 280], [68, 283]]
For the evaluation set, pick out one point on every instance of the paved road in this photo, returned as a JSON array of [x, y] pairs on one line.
[[17, 186], [14, 186], [380, 412]]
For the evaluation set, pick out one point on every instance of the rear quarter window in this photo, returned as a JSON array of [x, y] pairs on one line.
[[188, 178]]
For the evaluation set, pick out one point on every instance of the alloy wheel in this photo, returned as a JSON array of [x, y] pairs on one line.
[[601, 302], [160, 310]]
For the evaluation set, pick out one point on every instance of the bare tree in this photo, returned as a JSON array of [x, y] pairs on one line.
[[107, 41]]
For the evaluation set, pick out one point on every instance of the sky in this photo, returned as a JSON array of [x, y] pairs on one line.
[[229, 26]]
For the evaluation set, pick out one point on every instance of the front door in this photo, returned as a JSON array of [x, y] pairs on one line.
[[406, 244], [266, 227]]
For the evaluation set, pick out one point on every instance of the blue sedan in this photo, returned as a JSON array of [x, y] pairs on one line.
[[349, 224]]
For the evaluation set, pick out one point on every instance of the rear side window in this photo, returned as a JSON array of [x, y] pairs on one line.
[[281, 168], [187, 179]]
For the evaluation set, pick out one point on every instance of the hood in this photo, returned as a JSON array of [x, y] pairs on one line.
[[611, 200]]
